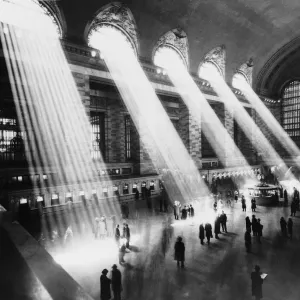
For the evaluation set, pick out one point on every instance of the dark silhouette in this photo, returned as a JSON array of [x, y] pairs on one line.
[[116, 282], [201, 233], [257, 282], [223, 220], [293, 208], [208, 231], [254, 225], [192, 211], [122, 252], [127, 235], [179, 249], [217, 228], [283, 225], [248, 224], [105, 286], [259, 230], [244, 203], [253, 204]]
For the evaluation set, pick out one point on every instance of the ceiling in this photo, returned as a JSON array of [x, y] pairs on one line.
[[248, 28]]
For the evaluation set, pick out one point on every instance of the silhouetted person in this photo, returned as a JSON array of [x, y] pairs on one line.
[[253, 204], [179, 252], [223, 220], [177, 211], [259, 230], [283, 225], [293, 208], [208, 232], [117, 235], [254, 225], [201, 233], [105, 286], [236, 196], [244, 203], [285, 196], [290, 227], [248, 224], [215, 205], [217, 228], [276, 196], [116, 282], [127, 235], [192, 211], [248, 240], [184, 213], [257, 282]]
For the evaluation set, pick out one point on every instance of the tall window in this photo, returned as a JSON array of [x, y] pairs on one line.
[[291, 109], [11, 141], [128, 137], [98, 135]]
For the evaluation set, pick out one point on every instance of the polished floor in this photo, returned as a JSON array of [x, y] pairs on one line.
[[220, 270]]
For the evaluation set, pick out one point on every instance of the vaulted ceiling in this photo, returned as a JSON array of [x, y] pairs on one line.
[[248, 28]]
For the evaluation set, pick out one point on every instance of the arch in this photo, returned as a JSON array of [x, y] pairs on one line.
[[290, 108], [164, 52], [208, 67], [175, 39], [53, 11], [246, 69], [237, 80], [119, 17], [217, 57]]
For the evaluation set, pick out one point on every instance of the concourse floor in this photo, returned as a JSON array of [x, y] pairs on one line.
[[220, 270]]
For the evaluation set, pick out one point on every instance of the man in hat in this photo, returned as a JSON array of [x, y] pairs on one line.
[[116, 282], [105, 286], [257, 282]]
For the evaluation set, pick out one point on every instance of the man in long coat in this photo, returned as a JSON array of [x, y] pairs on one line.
[[217, 227], [105, 286], [116, 282], [117, 235], [208, 231], [201, 233], [257, 282], [179, 252]]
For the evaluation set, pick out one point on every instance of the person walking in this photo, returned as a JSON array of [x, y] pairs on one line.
[[217, 229], [223, 220], [201, 233], [290, 227], [248, 240], [259, 230], [283, 225], [105, 286], [192, 211], [179, 252], [117, 235], [236, 196], [257, 282], [116, 282], [244, 203], [127, 235], [253, 205], [248, 224], [254, 225], [293, 208], [122, 252], [208, 232], [285, 196]]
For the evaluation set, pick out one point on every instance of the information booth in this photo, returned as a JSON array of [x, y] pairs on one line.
[[264, 194]]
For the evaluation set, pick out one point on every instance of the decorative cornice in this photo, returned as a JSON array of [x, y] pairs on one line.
[[246, 69]]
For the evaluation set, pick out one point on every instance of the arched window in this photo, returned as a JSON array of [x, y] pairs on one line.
[[291, 108], [209, 70], [165, 55], [239, 81]]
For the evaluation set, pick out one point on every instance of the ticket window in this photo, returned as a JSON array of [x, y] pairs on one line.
[[152, 187], [24, 210], [54, 199], [116, 190], [105, 192], [134, 188], [94, 194], [81, 196], [125, 189], [40, 201], [69, 197]]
